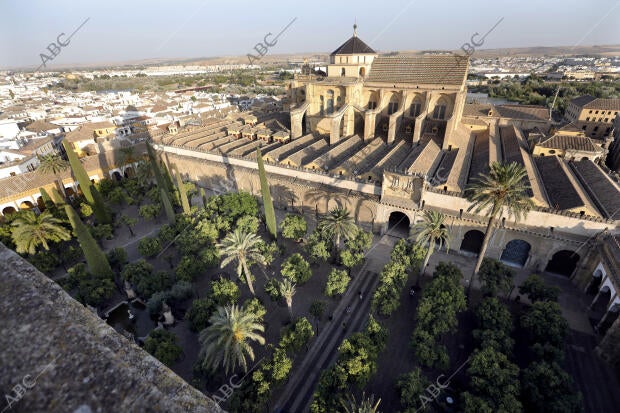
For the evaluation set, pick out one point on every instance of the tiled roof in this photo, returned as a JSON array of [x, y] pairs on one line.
[[478, 109], [582, 100], [446, 70], [568, 142], [445, 167], [41, 125], [603, 104], [354, 45], [562, 195], [479, 157], [604, 193], [524, 112], [87, 131], [590, 102]]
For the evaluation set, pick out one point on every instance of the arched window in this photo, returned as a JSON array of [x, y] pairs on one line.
[[342, 72], [330, 102], [439, 112], [393, 104], [362, 71], [415, 108]]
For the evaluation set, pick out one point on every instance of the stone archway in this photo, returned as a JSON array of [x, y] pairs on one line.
[[516, 253], [8, 210], [26, 205], [608, 319], [398, 224], [563, 262], [358, 124], [41, 204], [472, 241], [595, 283]]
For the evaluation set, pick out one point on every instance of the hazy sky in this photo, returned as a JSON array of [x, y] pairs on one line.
[[134, 29]]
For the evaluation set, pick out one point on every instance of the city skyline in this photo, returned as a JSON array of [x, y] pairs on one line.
[[110, 34]]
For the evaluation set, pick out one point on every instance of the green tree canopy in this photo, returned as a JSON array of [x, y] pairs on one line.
[[30, 231]]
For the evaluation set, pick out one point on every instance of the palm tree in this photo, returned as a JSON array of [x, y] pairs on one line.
[[338, 224], [287, 290], [54, 164], [127, 155], [363, 405], [431, 231], [505, 186], [30, 231], [226, 341], [244, 248]]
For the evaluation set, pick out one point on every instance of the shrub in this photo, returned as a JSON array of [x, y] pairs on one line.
[[150, 211], [293, 226], [199, 313], [337, 282], [117, 258], [85, 209], [189, 268], [280, 366], [166, 233], [162, 344], [272, 287], [91, 289], [297, 335], [225, 292], [296, 269], [155, 303], [102, 231], [149, 247], [248, 224], [254, 306], [182, 290]]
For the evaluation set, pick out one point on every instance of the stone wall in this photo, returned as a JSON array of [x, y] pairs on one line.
[[81, 361]]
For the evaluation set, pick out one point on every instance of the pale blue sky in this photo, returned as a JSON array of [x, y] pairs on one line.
[[119, 31]]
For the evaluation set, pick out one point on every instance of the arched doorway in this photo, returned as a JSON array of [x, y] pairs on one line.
[[398, 224], [472, 241], [116, 175], [330, 102], [358, 124], [8, 210], [69, 191], [516, 253], [563, 262], [26, 205], [599, 305], [41, 204], [129, 172], [608, 319], [595, 283]]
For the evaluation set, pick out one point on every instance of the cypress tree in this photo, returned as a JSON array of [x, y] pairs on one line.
[[270, 214], [103, 216], [58, 200], [203, 195], [162, 184], [155, 166], [165, 200], [47, 201], [182, 193], [95, 258]]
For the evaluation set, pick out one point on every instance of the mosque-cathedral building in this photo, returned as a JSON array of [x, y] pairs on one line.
[[388, 136]]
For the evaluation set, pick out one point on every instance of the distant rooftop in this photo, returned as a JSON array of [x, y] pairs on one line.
[[429, 70], [354, 45]]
